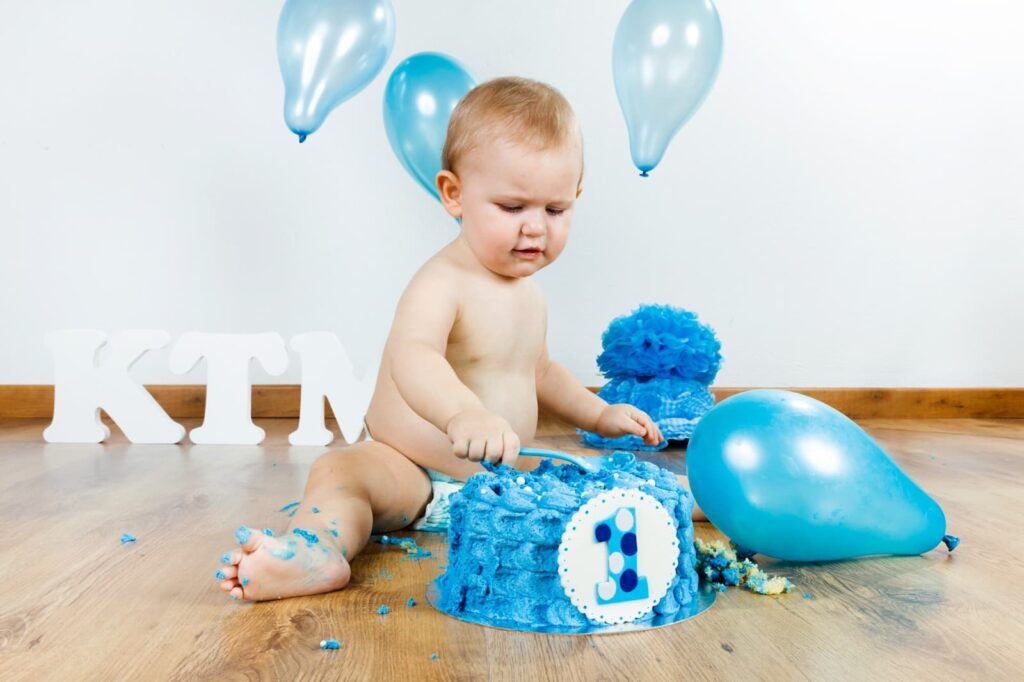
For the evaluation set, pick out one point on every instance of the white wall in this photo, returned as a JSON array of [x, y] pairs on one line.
[[845, 210]]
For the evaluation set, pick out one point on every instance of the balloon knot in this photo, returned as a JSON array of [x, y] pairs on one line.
[[951, 541], [302, 138], [643, 174]]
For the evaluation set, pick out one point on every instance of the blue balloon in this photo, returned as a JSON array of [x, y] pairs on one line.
[[329, 50], [788, 476], [418, 101], [665, 59]]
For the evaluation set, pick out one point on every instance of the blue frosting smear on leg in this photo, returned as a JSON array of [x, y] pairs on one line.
[[269, 533], [506, 527], [310, 538], [288, 506]]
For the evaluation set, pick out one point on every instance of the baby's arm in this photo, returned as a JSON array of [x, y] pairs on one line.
[[419, 338], [561, 394]]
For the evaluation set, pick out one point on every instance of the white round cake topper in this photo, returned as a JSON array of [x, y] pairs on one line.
[[618, 556]]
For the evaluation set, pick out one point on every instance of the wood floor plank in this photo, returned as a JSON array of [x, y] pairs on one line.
[[77, 604]]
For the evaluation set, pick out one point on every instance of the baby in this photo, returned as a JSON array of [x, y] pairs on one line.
[[465, 366]]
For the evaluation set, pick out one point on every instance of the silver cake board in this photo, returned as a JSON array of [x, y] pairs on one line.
[[705, 597]]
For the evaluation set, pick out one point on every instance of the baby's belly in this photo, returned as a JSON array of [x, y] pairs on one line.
[[391, 421]]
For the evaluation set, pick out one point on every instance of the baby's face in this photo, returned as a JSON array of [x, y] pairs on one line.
[[516, 204]]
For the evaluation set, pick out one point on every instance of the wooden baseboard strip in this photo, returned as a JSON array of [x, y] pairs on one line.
[[182, 401]]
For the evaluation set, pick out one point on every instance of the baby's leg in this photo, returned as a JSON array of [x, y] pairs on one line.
[[698, 515], [364, 487]]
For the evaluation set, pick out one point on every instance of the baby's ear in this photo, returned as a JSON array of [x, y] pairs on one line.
[[449, 189], [579, 190]]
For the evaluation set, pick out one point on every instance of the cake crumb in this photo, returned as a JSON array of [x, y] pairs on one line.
[[127, 537], [411, 602], [383, 610], [434, 656], [330, 644], [721, 566]]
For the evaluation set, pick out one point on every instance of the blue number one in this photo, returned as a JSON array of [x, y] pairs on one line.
[[623, 584]]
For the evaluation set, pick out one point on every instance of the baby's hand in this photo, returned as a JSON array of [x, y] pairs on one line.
[[623, 419], [479, 435]]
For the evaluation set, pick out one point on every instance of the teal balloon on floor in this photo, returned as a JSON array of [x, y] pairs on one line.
[[790, 477]]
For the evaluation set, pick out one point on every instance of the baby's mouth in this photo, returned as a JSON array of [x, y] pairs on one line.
[[528, 253]]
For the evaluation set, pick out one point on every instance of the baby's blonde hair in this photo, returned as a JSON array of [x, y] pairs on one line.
[[516, 109]]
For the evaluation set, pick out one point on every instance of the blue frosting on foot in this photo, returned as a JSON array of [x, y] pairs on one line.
[[242, 535]]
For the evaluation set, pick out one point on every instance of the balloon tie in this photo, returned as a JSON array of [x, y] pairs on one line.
[[951, 541], [643, 174], [302, 138]]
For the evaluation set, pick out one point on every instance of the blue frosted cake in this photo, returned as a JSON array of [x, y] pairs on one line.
[[505, 532]]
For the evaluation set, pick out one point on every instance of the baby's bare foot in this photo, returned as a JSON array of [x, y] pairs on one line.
[[272, 568]]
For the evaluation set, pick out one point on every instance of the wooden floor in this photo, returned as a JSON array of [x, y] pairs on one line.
[[77, 604]]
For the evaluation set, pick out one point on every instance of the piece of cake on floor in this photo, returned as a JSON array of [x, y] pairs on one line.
[[505, 532]]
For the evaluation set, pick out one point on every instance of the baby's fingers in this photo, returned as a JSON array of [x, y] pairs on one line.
[[461, 448], [493, 450], [511, 454], [476, 450]]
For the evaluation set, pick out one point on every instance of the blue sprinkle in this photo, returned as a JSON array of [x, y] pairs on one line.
[[332, 532], [310, 538], [316, 510], [330, 644], [242, 535], [269, 533], [245, 581], [127, 537], [288, 506], [383, 610], [433, 656], [411, 602], [219, 575], [225, 558], [808, 595]]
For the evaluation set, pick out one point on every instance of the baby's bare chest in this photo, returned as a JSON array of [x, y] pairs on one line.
[[498, 330]]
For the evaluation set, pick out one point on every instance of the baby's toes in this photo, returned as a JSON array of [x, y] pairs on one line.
[[226, 572], [236, 592]]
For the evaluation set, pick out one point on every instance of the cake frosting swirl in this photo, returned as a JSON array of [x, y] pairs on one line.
[[506, 527]]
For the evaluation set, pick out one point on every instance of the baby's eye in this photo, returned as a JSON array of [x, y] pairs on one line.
[[510, 209], [556, 211]]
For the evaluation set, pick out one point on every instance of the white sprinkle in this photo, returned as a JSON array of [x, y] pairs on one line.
[[520, 480], [528, 489], [650, 481]]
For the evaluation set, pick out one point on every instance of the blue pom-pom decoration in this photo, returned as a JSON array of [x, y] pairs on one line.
[[660, 359], [660, 341]]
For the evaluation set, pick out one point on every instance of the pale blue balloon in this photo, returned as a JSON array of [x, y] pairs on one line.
[[329, 50], [418, 102], [665, 59], [788, 476]]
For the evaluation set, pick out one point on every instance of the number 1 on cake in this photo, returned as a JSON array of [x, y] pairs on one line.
[[619, 533]]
